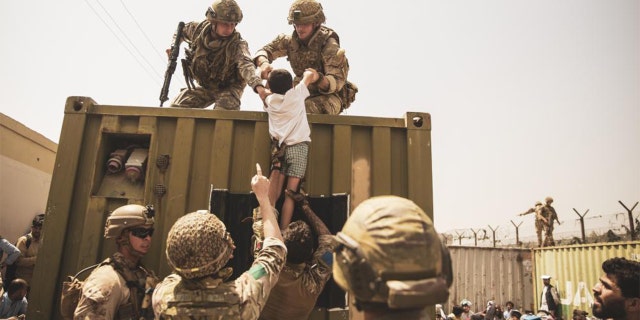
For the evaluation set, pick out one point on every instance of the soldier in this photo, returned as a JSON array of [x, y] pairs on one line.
[[391, 260], [218, 60], [549, 213], [312, 45], [198, 247], [540, 222], [307, 269], [120, 287]]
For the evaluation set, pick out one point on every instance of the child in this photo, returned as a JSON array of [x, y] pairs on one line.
[[288, 126]]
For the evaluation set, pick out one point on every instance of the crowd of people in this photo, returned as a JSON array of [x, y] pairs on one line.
[[17, 270]]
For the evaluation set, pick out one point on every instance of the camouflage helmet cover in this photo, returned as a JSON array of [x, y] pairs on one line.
[[128, 216], [538, 203], [306, 11], [224, 11], [395, 236], [198, 245], [548, 200]]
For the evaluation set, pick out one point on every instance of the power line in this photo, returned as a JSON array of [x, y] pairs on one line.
[[128, 39], [157, 51], [122, 43]]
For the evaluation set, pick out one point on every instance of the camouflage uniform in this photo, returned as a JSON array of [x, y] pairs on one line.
[[539, 222], [301, 283], [106, 293], [549, 213], [240, 299], [222, 67]]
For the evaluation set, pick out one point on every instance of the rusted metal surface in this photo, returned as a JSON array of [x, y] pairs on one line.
[[191, 153], [499, 274]]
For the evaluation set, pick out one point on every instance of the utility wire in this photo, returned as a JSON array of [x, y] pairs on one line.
[[157, 51], [122, 43], [128, 39]]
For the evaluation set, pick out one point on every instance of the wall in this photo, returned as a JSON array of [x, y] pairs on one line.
[[499, 274], [26, 166]]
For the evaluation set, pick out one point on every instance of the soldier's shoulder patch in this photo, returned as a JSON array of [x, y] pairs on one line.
[[257, 271]]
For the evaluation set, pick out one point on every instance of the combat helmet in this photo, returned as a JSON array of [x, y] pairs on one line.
[[128, 216], [389, 252], [224, 11], [306, 11], [198, 245], [548, 200]]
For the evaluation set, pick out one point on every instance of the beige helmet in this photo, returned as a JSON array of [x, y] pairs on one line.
[[538, 203], [548, 200], [128, 216], [306, 11], [389, 252], [224, 11], [198, 245]]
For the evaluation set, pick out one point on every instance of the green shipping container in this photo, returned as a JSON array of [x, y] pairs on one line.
[[574, 270], [198, 159]]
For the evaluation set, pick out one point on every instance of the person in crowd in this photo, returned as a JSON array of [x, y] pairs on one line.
[[312, 45], [13, 303], [307, 269], [29, 245], [456, 313], [391, 236], [466, 309], [198, 247], [12, 255], [549, 298], [290, 134], [120, 287], [617, 294], [508, 306], [218, 59]]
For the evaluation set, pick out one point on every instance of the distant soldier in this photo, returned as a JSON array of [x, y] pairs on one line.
[[549, 213], [541, 221]]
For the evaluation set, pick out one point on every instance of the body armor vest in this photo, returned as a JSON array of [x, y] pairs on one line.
[[203, 300], [211, 59], [309, 56]]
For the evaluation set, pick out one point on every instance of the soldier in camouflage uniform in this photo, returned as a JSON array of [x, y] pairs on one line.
[[312, 45], [391, 259], [120, 288], [540, 221], [198, 247], [549, 213], [218, 60], [307, 270]]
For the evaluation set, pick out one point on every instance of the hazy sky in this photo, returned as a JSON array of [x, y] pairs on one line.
[[527, 98]]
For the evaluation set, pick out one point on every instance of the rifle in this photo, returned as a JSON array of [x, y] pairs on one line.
[[171, 66]]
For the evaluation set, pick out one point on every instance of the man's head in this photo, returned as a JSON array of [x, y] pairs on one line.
[[306, 16], [548, 200], [198, 245], [132, 227], [36, 225], [389, 255], [457, 310], [17, 289], [515, 315], [509, 305], [225, 15], [299, 241], [280, 81], [538, 204], [546, 279], [618, 292], [466, 305]]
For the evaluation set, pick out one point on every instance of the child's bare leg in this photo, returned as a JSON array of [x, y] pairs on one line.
[[275, 188], [293, 184]]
